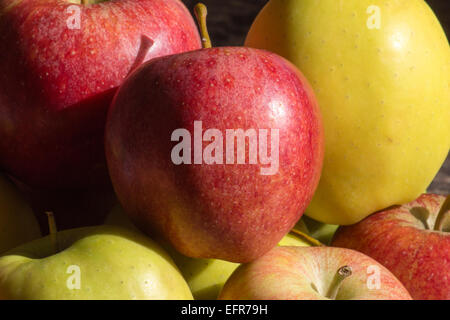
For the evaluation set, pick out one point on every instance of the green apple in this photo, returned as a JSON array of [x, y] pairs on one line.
[[18, 224], [381, 74], [205, 277], [293, 240], [91, 264], [318, 230]]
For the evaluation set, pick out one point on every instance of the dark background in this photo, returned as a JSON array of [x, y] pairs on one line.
[[230, 20]]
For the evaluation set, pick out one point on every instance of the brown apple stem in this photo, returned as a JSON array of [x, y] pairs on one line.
[[313, 242], [201, 12], [443, 215], [342, 274], [53, 231]]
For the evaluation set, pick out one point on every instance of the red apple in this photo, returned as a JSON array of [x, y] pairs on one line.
[[211, 203], [301, 273], [60, 66], [412, 241]]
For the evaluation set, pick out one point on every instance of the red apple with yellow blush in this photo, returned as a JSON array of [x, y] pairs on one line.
[[175, 140], [412, 241], [313, 273]]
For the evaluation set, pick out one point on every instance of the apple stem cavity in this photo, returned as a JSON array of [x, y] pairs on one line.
[[442, 217], [313, 242], [422, 214], [201, 12], [144, 48], [53, 231], [89, 2], [342, 274]]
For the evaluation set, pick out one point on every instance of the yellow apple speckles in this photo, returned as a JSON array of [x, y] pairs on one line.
[[381, 75]]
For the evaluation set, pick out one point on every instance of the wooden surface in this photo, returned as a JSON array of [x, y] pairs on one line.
[[230, 20]]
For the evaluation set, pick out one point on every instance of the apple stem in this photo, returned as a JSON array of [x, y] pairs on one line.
[[144, 47], [53, 231], [342, 274], [442, 215], [201, 13], [313, 242]]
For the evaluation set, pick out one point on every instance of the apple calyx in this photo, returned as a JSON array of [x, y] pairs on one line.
[[342, 274], [303, 236], [201, 12], [53, 231], [89, 2], [421, 214], [442, 221]]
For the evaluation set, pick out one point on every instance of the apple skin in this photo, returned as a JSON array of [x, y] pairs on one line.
[[18, 224], [383, 94], [289, 273], [394, 237], [227, 212], [57, 83], [205, 277], [115, 264]]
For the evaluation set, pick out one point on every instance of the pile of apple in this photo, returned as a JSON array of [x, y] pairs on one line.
[[125, 99]]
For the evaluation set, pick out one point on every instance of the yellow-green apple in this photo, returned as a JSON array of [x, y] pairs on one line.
[[94, 263], [412, 241], [64, 62], [219, 199], [315, 273], [381, 74], [18, 224], [205, 277], [294, 240]]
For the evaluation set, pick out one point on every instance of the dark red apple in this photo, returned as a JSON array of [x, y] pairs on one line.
[[72, 208], [216, 201], [60, 65], [412, 241]]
